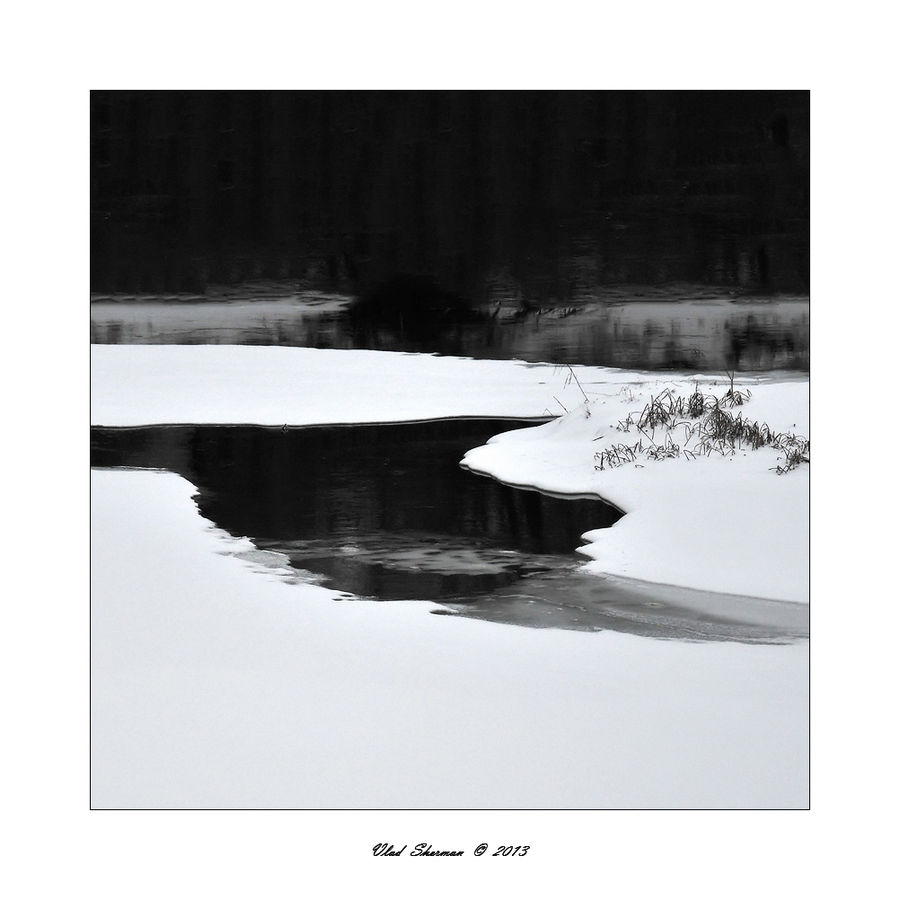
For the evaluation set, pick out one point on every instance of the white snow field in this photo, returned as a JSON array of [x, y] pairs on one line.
[[215, 685], [148, 385], [218, 683]]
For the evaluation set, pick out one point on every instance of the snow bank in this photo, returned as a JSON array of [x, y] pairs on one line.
[[152, 385], [214, 685], [726, 524]]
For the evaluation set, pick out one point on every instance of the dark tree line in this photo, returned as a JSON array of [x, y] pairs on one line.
[[554, 193]]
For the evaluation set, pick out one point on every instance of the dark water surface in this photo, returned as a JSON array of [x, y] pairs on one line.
[[685, 328], [386, 512], [556, 190]]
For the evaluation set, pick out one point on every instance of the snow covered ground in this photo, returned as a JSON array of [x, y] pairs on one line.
[[216, 683], [219, 683], [717, 523], [146, 385]]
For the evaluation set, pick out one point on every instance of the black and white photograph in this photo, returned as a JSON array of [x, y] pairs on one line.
[[409, 420], [450, 450]]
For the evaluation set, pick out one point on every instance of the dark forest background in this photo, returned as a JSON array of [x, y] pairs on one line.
[[552, 194]]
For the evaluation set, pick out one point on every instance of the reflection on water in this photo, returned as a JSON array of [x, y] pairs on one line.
[[684, 328], [570, 599], [386, 512], [380, 510]]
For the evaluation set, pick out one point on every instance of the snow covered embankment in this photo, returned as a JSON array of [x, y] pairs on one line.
[[227, 385], [725, 523]]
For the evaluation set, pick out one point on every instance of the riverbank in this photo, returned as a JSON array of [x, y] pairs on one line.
[[724, 522]]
